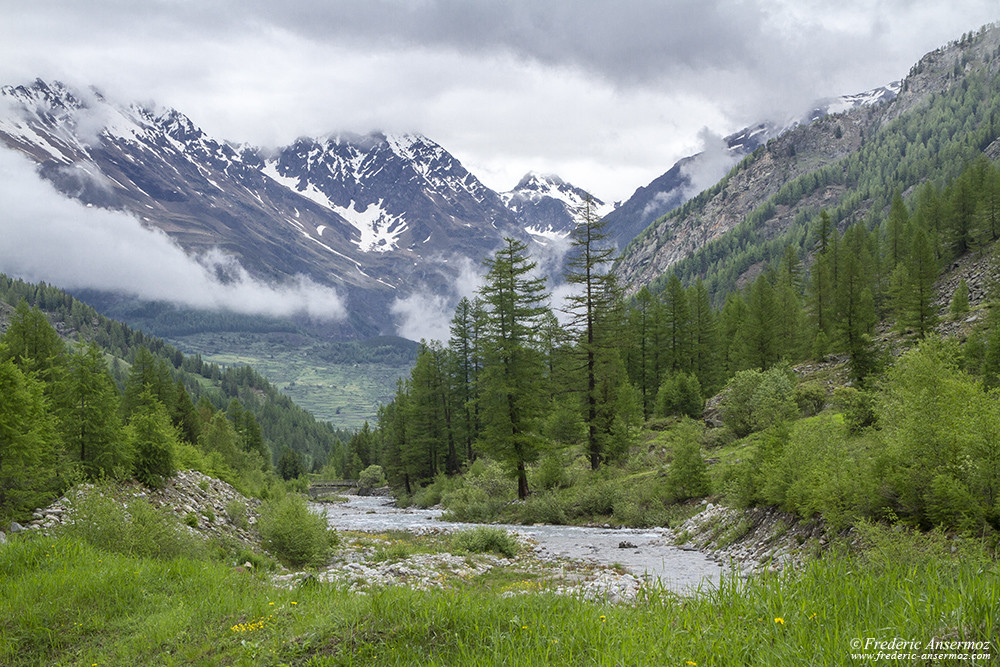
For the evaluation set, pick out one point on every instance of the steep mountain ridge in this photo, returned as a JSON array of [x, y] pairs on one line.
[[770, 197], [694, 173]]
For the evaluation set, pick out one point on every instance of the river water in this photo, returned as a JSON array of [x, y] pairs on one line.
[[651, 557]]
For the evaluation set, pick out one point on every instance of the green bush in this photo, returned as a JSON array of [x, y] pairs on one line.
[[433, 493], [857, 406], [688, 475], [755, 400], [483, 494], [811, 398], [486, 539], [295, 535], [129, 526], [551, 472], [372, 477], [236, 512], [542, 507]]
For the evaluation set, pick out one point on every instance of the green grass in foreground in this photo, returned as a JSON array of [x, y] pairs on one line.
[[65, 603]]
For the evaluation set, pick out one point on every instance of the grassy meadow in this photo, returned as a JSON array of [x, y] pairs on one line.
[[64, 601]]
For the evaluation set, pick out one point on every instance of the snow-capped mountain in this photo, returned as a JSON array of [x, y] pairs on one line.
[[548, 207], [692, 174], [377, 216]]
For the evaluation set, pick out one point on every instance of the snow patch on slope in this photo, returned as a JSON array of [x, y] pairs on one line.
[[378, 228]]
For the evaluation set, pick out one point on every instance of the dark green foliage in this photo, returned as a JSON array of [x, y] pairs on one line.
[[30, 460], [688, 475], [810, 397], [857, 406], [680, 395], [88, 407], [510, 396], [32, 344], [289, 465], [959, 300], [153, 442]]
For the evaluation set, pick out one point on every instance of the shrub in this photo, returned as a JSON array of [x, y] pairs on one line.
[[543, 507], [688, 476], [551, 472], [755, 400], [483, 494], [295, 535], [810, 397], [959, 300], [486, 539], [236, 512], [858, 408], [433, 493], [371, 477], [129, 526]]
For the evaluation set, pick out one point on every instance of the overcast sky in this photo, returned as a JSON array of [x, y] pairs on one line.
[[606, 94]]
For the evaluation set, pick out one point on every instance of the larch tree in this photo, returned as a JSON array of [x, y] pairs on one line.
[[514, 301], [593, 310]]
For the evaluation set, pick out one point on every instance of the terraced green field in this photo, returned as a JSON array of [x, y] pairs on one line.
[[342, 386]]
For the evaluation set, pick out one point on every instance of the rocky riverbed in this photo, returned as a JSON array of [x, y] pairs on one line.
[[382, 545]]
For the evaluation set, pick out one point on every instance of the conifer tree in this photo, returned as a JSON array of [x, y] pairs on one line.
[[895, 230], [511, 388], [594, 318], [920, 312], [756, 332], [705, 362], [32, 344], [464, 374], [676, 326], [29, 443], [640, 353], [88, 404]]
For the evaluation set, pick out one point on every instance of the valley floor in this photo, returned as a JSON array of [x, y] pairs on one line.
[[64, 601]]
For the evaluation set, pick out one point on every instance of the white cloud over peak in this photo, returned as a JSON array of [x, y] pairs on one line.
[[45, 236]]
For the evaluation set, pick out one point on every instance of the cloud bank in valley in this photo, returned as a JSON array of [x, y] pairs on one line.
[[46, 237], [424, 315]]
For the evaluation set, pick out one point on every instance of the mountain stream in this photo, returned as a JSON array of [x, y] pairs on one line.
[[643, 552]]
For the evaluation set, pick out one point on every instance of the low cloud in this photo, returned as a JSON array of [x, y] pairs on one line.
[[424, 315], [49, 237], [659, 204], [709, 166]]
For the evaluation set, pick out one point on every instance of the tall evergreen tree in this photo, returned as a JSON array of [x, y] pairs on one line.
[[921, 313], [676, 325], [88, 404], [641, 321], [704, 338], [593, 313], [464, 374], [511, 410]]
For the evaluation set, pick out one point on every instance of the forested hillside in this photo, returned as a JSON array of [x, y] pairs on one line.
[[91, 396], [560, 410], [850, 165]]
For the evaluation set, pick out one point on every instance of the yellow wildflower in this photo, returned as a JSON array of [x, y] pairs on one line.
[[779, 620]]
